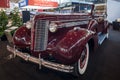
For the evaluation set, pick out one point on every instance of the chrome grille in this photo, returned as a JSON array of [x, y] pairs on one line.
[[41, 35]]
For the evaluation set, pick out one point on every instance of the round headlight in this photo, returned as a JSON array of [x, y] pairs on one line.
[[53, 27], [29, 24]]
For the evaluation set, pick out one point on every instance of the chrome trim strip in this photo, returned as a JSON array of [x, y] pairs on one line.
[[70, 24], [40, 61], [72, 20]]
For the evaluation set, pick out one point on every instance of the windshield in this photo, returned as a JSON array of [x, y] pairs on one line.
[[82, 8], [75, 8]]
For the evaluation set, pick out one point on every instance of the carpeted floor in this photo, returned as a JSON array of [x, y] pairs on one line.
[[104, 64]]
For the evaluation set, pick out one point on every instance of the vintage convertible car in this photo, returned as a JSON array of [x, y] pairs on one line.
[[62, 41]]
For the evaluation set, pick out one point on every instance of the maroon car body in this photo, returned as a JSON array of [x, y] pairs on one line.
[[65, 45]]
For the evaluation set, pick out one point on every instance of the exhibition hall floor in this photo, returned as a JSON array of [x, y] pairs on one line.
[[104, 64]]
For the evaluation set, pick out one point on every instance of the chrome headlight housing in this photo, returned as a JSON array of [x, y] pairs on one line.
[[53, 27]]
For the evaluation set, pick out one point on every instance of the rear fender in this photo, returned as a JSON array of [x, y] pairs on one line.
[[70, 47], [92, 25]]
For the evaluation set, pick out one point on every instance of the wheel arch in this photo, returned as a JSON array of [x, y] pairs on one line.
[[91, 44]]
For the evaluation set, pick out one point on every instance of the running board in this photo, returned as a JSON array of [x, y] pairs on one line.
[[101, 38]]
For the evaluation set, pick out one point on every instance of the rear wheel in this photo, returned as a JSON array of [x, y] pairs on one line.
[[81, 65]]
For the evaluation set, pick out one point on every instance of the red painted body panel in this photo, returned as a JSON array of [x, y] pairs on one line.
[[70, 47]]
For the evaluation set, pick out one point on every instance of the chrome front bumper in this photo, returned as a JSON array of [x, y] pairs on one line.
[[40, 61]]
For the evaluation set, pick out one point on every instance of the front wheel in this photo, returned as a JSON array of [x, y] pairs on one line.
[[81, 66]]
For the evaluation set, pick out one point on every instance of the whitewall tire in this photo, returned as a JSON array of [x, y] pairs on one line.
[[81, 65], [107, 34]]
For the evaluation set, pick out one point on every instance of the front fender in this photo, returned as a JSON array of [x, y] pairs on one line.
[[70, 47], [22, 37]]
